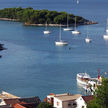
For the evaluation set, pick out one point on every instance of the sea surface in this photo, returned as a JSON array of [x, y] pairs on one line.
[[33, 66]]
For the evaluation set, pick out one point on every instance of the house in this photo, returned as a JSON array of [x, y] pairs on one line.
[[4, 95], [8, 100], [66, 100], [31, 102]]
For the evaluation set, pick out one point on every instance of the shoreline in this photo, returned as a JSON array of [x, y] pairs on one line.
[[63, 25], [51, 25]]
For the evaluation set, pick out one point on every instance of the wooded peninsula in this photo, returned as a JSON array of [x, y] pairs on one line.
[[39, 17]]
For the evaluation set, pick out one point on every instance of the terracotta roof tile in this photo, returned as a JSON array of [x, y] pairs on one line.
[[87, 99]]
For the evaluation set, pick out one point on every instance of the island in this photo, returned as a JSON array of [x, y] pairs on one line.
[[29, 16]]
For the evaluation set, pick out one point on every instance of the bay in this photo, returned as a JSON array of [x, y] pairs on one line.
[[33, 66]]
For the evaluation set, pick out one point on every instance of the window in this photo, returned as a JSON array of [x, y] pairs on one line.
[[58, 103], [82, 107]]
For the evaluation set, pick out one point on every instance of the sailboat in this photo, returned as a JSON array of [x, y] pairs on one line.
[[46, 31], [67, 28], [107, 26], [75, 31], [87, 39], [106, 36], [60, 42]]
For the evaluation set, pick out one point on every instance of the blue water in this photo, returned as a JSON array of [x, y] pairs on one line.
[[33, 66]]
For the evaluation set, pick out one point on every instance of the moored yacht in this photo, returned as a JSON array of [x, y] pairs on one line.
[[75, 31], [61, 42], [87, 39], [106, 35], [83, 78], [46, 31], [67, 28]]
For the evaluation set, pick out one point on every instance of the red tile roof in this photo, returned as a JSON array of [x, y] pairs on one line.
[[18, 106], [51, 94], [87, 99]]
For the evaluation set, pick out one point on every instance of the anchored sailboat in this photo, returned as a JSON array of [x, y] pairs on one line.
[[60, 42], [106, 36], [46, 31], [67, 29], [87, 39], [75, 31]]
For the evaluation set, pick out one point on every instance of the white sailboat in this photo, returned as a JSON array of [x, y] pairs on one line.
[[67, 28], [46, 31], [106, 35], [87, 39], [60, 42], [107, 26], [75, 31]]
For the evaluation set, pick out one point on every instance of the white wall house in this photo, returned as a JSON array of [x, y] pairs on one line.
[[66, 101]]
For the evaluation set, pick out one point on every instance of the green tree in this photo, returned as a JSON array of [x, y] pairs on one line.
[[101, 96], [44, 105]]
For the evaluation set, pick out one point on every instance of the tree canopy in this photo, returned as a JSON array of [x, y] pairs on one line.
[[31, 16], [44, 105], [101, 96]]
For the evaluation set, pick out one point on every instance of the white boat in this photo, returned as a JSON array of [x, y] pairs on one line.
[[83, 78], [61, 42], [67, 28], [75, 31], [87, 39], [46, 31], [106, 36]]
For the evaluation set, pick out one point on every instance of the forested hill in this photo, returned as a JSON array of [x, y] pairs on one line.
[[31, 16]]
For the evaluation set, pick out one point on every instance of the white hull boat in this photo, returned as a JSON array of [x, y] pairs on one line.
[[83, 78], [67, 29], [47, 32], [60, 42], [107, 30], [105, 36], [75, 32], [87, 40]]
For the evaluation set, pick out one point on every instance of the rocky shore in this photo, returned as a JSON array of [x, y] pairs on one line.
[[7, 19], [57, 25], [52, 25]]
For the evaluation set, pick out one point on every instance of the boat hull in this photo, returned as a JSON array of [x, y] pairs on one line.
[[75, 32], [105, 36], [82, 82], [107, 30], [83, 78], [67, 29], [87, 40], [60, 43], [47, 32]]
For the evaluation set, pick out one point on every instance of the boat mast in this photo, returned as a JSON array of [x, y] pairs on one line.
[[46, 25], [60, 33], [87, 31], [75, 22], [67, 20], [107, 27]]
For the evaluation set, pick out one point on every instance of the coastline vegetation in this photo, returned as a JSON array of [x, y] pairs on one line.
[[31, 16], [101, 96]]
